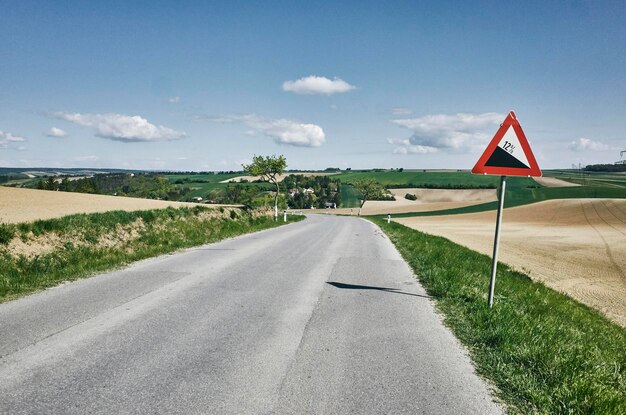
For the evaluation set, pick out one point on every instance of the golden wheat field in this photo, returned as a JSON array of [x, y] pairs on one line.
[[26, 205]]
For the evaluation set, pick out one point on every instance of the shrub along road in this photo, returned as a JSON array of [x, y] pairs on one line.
[[320, 316]]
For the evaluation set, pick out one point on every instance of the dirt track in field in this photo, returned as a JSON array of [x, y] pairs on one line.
[[577, 246], [554, 182], [27, 205]]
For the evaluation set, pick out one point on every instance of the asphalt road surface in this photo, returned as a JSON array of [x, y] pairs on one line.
[[321, 316]]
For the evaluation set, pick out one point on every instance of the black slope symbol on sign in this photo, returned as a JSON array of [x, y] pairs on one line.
[[501, 158]]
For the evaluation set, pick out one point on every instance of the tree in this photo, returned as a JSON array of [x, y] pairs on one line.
[[269, 168], [369, 188]]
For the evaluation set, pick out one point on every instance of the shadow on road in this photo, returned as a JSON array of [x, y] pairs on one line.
[[369, 287]]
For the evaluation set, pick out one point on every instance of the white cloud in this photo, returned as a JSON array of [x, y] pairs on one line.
[[405, 147], [8, 137], [456, 132], [173, 100], [56, 132], [401, 111], [22, 148], [586, 144], [283, 131], [7, 140], [119, 127], [312, 85]]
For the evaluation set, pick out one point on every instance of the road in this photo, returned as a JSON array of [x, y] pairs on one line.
[[321, 316]]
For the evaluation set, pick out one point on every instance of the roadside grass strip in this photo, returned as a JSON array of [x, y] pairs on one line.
[[544, 352], [50, 252]]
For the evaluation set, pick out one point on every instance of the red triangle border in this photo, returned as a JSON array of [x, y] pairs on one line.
[[532, 171]]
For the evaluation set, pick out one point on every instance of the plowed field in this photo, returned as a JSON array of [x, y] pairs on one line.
[[577, 246]]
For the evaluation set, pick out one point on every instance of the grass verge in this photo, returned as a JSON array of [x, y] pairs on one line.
[[546, 353], [45, 253]]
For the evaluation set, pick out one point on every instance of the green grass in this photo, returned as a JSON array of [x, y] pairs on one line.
[[81, 252], [546, 353], [202, 184], [587, 178]]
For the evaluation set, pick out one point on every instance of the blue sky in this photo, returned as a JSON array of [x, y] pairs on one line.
[[205, 85]]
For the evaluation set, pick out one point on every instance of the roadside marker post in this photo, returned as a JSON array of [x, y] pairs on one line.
[[388, 219], [284, 216], [508, 154]]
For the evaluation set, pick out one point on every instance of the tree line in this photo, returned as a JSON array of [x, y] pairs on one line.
[[149, 186]]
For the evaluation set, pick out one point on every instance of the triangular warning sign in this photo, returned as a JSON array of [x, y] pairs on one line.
[[508, 153]]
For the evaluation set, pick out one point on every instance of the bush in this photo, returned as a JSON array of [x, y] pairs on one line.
[[410, 196], [6, 233]]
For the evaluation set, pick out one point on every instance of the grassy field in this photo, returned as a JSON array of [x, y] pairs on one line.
[[45, 253], [202, 184], [546, 353], [421, 178], [594, 179]]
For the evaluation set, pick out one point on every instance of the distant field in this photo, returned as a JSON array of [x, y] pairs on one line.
[[421, 178], [202, 184], [586, 178], [522, 191], [280, 177]]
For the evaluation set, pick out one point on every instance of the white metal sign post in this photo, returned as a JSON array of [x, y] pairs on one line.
[[496, 242], [508, 154]]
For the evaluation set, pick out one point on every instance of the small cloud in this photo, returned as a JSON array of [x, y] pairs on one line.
[[586, 144], [333, 107], [182, 158], [56, 132], [283, 131], [124, 128], [457, 132], [8, 140], [173, 100], [405, 147], [312, 85], [8, 137], [401, 112], [22, 148]]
